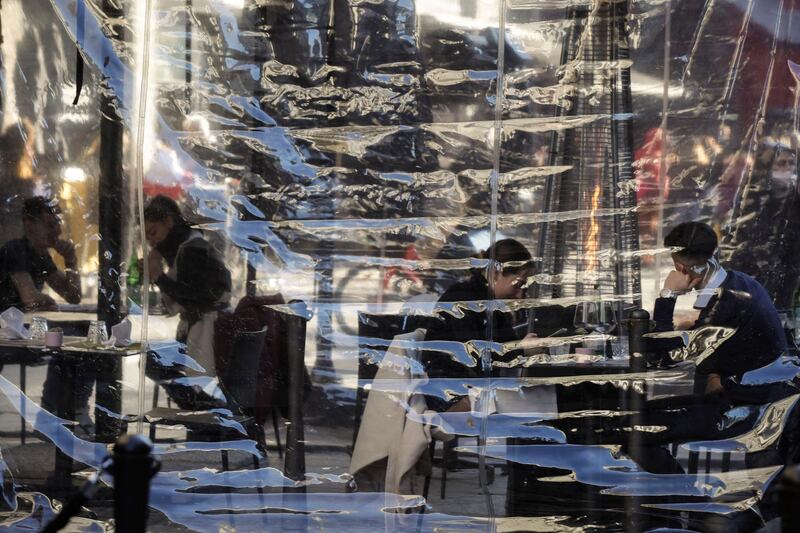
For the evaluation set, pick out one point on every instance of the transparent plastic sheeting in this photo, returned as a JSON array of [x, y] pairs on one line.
[[346, 163]]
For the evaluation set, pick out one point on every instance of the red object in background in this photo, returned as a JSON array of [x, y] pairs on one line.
[[153, 189], [769, 37], [647, 167], [410, 255], [167, 174]]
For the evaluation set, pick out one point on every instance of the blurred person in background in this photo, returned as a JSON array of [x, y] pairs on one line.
[[764, 236], [26, 264], [196, 285]]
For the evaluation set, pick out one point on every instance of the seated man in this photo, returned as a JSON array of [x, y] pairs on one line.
[[25, 266], [25, 263], [725, 299]]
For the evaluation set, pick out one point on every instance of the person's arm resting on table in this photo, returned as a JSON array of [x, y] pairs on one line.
[[32, 299], [66, 284]]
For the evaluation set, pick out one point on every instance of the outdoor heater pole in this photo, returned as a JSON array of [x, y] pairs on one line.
[[111, 202]]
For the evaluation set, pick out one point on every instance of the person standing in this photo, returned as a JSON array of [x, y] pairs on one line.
[[764, 239]]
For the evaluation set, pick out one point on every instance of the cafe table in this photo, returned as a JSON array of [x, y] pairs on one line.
[[74, 360]]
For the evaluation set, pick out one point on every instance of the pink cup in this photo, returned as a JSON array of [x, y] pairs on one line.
[[54, 339]]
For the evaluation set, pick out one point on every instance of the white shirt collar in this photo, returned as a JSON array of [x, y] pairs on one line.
[[704, 295]]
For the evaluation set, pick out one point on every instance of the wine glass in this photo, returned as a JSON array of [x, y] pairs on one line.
[[595, 316]]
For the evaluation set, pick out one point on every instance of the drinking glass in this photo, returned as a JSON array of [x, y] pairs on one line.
[[97, 332], [619, 347], [38, 329], [595, 316]]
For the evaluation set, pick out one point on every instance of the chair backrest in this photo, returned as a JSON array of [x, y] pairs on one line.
[[381, 327], [375, 334], [239, 381]]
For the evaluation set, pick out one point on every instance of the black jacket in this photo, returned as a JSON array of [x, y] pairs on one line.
[[202, 278], [743, 304], [465, 322]]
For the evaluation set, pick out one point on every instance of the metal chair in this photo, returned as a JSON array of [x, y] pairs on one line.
[[239, 385]]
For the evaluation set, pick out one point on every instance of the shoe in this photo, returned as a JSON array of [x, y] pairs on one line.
[[84, 427]]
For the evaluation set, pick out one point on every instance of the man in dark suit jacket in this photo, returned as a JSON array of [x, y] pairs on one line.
[[725, 299], [732, 302]]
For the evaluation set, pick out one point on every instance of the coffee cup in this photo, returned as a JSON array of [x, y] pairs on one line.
[[54, 339]]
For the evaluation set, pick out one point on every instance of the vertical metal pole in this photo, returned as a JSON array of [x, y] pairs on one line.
[[323, 370], [111, 202], [295, 461], [551, 232], [187, 53], [65, 370], [250, 287], [2, 66], [626, 227], [111, 210], [639, 324]]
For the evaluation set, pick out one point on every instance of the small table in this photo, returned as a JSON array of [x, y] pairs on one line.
[[67, 362]]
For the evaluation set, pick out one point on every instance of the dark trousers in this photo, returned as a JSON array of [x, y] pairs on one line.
[[643, 434], [68, 388]]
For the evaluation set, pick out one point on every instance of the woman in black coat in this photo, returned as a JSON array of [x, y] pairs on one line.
[[461, 327], [196, 286]]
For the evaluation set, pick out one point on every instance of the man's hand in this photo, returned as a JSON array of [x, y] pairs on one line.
[[32, 298], [156, 264], [680, 283], [66, 249]]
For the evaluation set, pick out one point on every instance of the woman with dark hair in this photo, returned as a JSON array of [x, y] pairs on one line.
[[196, 284], [505, 279], [763, 240]]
